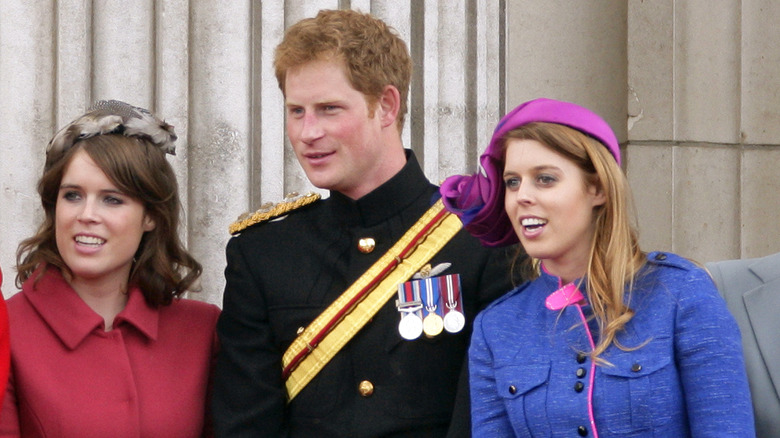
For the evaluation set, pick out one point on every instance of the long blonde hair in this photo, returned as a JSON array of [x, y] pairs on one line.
[[615, 256]]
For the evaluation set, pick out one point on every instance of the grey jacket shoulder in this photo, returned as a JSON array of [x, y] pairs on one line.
[[751, 288], [730, 275]]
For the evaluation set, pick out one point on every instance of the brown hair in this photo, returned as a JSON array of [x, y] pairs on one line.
[[163, 269], [372, 53], [615, 256]]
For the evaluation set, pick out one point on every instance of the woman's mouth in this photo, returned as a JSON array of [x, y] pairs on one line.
[[533, 223], [92, 241]]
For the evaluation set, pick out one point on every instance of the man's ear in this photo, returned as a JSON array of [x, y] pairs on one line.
[[388, 105]]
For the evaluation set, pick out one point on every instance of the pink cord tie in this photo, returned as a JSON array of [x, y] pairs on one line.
[[564, 296]]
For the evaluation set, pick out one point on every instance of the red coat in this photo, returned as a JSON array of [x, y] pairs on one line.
[[5, 350], [148, 377]]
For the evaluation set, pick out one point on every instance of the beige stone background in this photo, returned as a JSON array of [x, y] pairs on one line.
[[690, 87]]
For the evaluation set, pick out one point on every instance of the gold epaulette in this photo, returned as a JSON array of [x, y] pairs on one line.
[[269, 211]]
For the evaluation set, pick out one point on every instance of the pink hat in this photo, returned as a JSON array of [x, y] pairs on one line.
[[479, 199]]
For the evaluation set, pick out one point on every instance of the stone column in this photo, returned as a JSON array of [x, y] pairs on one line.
[[573, 51]]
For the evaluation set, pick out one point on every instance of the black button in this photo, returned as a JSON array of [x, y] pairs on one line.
[[582, 431], [660, 256], [512, 389], [578, 387], [581, 357], [636, 367], [581, 372]]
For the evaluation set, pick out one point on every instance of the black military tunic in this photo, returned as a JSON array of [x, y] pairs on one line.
[[282, 274]]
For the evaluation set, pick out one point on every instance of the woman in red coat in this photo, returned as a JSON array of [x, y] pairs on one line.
[[4, 343], [102, 345]]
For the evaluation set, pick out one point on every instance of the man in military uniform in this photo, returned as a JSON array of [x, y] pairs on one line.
[[345, 77]]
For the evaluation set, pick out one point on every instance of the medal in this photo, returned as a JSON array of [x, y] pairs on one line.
[[432, 324], [410, 306], [454, 320], [410, 327]]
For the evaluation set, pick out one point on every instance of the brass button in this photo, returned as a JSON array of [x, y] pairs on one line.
[[512, 389], [366, 245], [366, 388], [636, 367]]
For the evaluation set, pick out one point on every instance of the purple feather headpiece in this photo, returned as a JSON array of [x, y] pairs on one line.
[[479, 199]]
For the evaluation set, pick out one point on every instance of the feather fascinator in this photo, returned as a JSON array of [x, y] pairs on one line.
[[113, 117], [478, 199]]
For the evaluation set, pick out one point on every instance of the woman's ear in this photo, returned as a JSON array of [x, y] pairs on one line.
[[598, 197], [148, 223]]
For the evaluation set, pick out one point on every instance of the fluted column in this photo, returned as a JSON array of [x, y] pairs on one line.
[[27, 80], [219, 136]]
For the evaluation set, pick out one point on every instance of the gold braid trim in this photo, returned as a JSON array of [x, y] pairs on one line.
[[269, 211]]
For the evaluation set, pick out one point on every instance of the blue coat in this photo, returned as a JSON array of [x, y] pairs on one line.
[[686, 378]]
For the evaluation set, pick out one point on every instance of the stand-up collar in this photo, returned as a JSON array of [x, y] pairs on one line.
[[71, 319], [563, 295], [386, 200]]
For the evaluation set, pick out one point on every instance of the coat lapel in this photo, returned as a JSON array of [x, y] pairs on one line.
[[762, 304]]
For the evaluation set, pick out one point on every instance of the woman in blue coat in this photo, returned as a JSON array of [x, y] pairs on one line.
[[606, 340]]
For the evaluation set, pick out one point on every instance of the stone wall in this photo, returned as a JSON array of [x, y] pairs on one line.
[[689, 88]]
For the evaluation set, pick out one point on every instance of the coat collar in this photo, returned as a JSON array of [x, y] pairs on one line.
[[766, 268], [71, 319], [385, 201], [761, 304]]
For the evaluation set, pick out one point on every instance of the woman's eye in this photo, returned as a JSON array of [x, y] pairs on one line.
[[71, 196], [545, 179], [512, 183], [113, 200]]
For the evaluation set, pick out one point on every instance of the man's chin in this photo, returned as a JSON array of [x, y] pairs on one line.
[[319, 181]]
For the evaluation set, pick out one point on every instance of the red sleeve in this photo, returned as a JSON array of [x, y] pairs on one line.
[[5, 347]]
